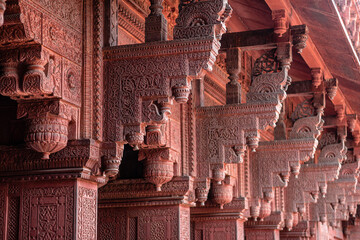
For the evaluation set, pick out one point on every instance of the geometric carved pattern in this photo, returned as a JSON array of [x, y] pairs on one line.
[[47, 213]]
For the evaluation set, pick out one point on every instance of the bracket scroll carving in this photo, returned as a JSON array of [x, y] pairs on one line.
[[147, 77], [274, 161], [313, 181], [225, 132]]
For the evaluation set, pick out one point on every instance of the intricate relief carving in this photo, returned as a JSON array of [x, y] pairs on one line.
[[327, 138], [47, 135], [304, 109], [159, 168], [87, 214], [201, 19], [266, 63], [313, 180], [53, 209]]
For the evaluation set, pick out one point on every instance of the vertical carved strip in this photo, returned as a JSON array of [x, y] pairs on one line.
[[111, 35], [98, 66], [13, 221], [87, 121], [14, 212], [192, 137], [185, 140], [87, 215], [3, 210], [133, 222]]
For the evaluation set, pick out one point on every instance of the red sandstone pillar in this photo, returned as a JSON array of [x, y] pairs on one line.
[[144, 222], [222, 226], [54, 209], [262, 234]]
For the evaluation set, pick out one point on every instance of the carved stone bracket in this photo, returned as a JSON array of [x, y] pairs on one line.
[[36, 82], [272, 164], [225, 132], [147, 77], [313, 181]]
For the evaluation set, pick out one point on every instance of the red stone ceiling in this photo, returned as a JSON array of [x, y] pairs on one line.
[[324, 29]]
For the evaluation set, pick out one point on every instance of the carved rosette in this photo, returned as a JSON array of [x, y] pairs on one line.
[[47, 134]]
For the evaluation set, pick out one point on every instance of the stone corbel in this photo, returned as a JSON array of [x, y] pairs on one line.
[[317, 77], [340, 110], [169, 66], [331, 86], [202, 190], [313, 180], [36, 82], [223, 193], [273, 166], [112, 156], [300, 35], [16, 27]]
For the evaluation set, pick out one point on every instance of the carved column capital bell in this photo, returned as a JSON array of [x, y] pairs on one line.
[[47, 124], [112, 156], [159, 165]]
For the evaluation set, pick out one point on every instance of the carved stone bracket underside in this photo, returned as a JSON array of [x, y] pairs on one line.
[[312, 181], [143, 80], [274, 161], [341, 197], [225, 132], [147, 77]]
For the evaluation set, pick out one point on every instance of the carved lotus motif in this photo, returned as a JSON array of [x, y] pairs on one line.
[[159, 172], [222, 193], [47, 134]]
